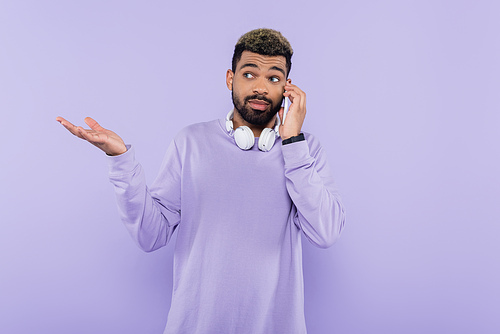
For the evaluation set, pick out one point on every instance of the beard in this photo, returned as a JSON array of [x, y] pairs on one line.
[[252, 116]]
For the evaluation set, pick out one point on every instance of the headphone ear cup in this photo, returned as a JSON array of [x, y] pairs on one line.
[[229, 125], [244, 138], [267, 139]]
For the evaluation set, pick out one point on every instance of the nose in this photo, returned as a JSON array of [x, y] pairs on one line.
[[260, 86]]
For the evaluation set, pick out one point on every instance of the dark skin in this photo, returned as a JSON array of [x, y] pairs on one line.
[[266, 76], [255, 74]]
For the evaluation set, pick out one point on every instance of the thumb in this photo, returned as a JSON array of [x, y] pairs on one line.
[[93, 124], [280, 114]]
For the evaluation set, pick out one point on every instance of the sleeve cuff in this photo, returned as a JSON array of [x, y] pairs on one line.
[[122, 164], [297, 154]]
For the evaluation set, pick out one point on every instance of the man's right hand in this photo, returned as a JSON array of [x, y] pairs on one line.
[[106, 140]]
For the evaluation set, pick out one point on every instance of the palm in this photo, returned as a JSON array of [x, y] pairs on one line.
[[106, 140]]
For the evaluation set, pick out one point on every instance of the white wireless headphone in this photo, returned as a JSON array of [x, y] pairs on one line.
[[245, 139]]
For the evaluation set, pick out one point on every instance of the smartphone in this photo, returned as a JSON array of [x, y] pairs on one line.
[[285, 109]]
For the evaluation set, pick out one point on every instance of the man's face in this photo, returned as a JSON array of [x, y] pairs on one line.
[[257, 86]]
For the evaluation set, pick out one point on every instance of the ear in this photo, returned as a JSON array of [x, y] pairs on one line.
[[229, 79], [289, 81]]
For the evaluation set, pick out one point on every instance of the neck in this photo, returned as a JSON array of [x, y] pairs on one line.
[[256, 129]]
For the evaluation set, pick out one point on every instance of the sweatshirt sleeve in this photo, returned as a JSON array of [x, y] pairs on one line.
[[320, 213], [149, 220]]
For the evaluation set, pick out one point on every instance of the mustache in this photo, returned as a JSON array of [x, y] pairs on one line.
[[258, 97]]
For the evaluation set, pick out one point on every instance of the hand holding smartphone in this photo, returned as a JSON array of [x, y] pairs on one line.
[[294, 101]]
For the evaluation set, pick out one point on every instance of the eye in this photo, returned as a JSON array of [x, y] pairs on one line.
[[248, 75], [274, 79]]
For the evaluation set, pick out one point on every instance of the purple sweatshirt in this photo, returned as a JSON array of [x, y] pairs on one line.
[[239, 216]]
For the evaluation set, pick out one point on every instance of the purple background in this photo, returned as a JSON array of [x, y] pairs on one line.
[[404, 96]]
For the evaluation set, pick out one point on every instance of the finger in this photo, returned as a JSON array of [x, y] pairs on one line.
[[303, 101], [292, 95], [63, 121], [93, 137], [60, 119], [290, 86], [299, 95], [93, 124], [84, 133], [293, 88], [70, 127]]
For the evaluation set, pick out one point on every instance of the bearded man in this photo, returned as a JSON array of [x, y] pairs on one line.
[[239, 207]]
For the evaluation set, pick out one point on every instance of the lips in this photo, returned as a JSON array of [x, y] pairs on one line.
[[258, 104]]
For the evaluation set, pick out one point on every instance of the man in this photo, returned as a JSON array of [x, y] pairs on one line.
[[239, 208]]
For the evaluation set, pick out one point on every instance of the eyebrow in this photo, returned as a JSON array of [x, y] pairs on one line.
[[276, 68]]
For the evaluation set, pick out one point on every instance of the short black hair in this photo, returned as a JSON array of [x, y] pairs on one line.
[[267, 42]]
